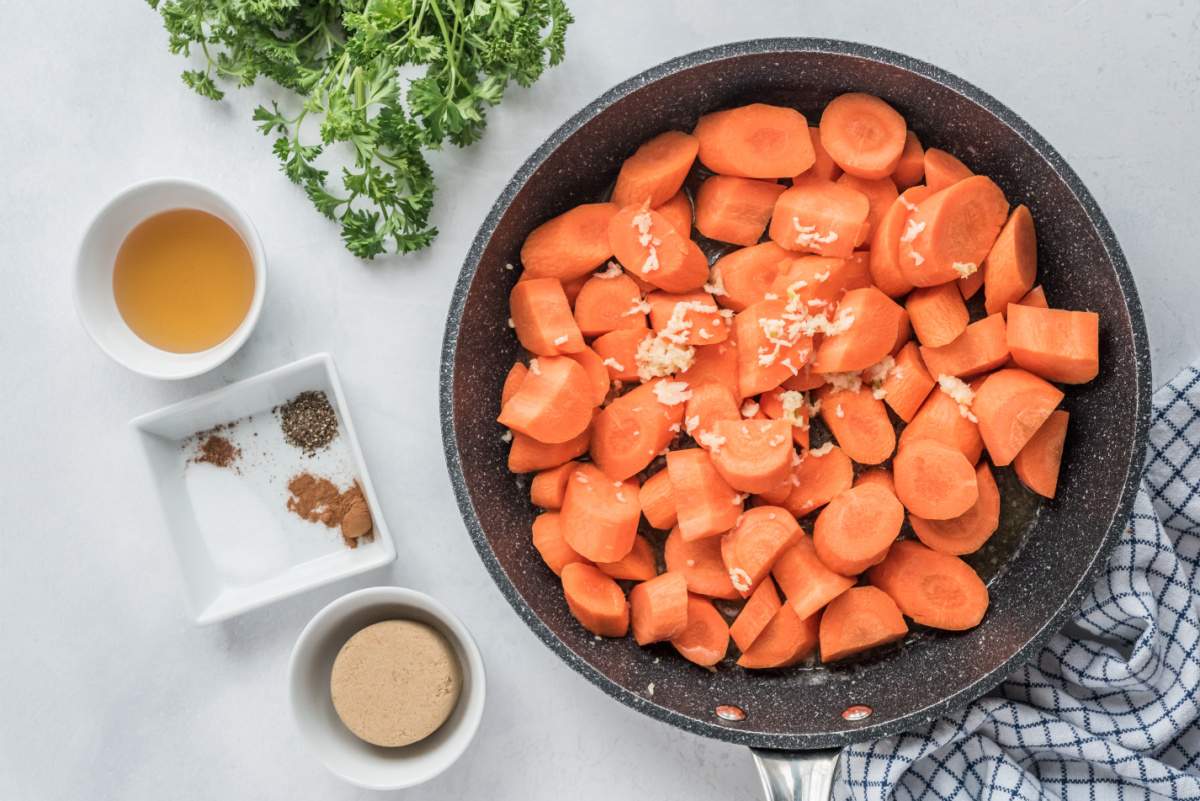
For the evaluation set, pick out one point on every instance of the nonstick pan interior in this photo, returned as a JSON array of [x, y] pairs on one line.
[[1046, 554]]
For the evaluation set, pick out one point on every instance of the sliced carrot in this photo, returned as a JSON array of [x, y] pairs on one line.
[[981, 347], [595, 600], [970, 284], [819, 282], [874, 320], [859, 423], [760, 607], [758, 539], [1058, 345], [746, 274], [968, 532], [908, 383], [822, 166], [934, 480], [863, 134], [904, 333], [877, 475], [549, 542], [618, 351], [678, 212], [600, 515], [649, 247], [755, 141], [885, 242], [881, 194], [542, 317], [714, 363], [527, 454], [785, 641], [819, 216], [806, 581], [943, 170], [736, 210], [792, 407], [637, 565], [1011, 406], [695, 312], [709, 403], [705, 639], [656, 169], [820, 476], [752, 455], [630, 431], [705, 504], [659, 608], [700, 564], [952, 231], [937, 313], [553, 403], [597, 373], [858, 620], [1011, 265], [934, 589], [571, 287], [911, 167], [657, 500], [570, 245], [608, 304], [940, 418], [1038, 462], [549, 486], [774, 496], [805, 380], [512, 381], [765, 362], [1036, 297], [856, 528]]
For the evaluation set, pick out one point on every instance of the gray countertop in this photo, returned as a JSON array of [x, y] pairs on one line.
[[106, 689]]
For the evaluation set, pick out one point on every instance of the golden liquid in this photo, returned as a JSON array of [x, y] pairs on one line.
[[183, 280]]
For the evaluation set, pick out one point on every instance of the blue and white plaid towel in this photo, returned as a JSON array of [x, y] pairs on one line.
[[1110, 709]]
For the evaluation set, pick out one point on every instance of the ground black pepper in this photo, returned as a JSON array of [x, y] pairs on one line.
[[308, 421]]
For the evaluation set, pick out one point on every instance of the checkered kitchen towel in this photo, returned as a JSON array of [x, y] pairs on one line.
[[1110, 709]]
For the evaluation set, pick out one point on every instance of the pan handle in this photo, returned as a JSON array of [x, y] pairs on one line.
[[796, 775]]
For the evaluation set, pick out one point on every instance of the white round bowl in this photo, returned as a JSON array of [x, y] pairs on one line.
[[94, 299], [358, 762]]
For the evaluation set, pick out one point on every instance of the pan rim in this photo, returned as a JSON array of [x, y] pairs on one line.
[[1137, 329]]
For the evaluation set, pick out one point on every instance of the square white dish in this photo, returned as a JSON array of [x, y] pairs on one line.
[[237, 545]]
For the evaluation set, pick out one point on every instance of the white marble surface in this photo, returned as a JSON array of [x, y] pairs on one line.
[[106, 689]]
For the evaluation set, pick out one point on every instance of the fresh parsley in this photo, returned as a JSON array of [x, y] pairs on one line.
[[344, 58]]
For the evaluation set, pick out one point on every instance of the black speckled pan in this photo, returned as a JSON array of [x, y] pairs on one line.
[[1052, 554]]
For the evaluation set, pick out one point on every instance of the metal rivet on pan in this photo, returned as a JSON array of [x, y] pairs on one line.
[[730, 712], [857, 712]]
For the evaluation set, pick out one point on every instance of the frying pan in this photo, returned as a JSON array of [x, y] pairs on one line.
[[1038, 565]]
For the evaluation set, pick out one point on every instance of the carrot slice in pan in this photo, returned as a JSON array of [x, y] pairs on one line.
[[806, 581], [760, 607], [600, 515], [629, 432], [658, 608], [705, 639], [549, 542], [874, 323], [885, 243], [934, 589], [755, 141], [863, 134], [940, 418], [678, 212], [553, 403], [880, 193], [856, 528], [1011, 265], [714, 363], [709, 403], [859, 422], [597, 373], [822, 474], [1056, 344], [1036, 297], [570, 245], [649, 247], [542, 317], [934, 480], [877, 475], [746, 274], [618, 351], [527, 454], [607, 304], [512, 381], [1038, 462], [970, 284], [951, 231], [822, 217], [704, 502], [753, 455], [735, 210], [750, 550], [700, 564], [595, 600], [857, 620], [785, 641], [981, 347], [637, 565], [819, 282], [767, 356], [549, 486], [937, 313], [1011, 406], [907, 384], [943, 170], [792, 407], [968, 532], [696, 312], [657, 500], [910, 170], [822, 166], [656, 170]]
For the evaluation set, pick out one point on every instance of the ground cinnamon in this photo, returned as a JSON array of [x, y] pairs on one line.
[[217, 451], [318, 500]]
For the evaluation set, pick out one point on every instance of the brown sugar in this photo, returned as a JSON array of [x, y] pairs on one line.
[[318, 500]]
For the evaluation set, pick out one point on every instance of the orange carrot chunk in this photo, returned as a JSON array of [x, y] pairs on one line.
[[968, 532], [857, 527], [818, 283], [934, 480], [880, 192], [934, 589], [709, 403], [618, 351], [1038, 462], [755, 141], [705, 639], [512, 381], [637, 565], [597, 373], [951, 231], [885, 243], [700, 564], [858, 620], [549, 542], [736, 210], [937, 313], [1011, 265], [981, 347], [943, 170], [877, 475], [806, 581], [785, 641], [1011, 406], [659, 608], [656, 169], [1058, 345], [911, 167], [758, 539], [755, 615], [543, 319], [873, 322], [792, 407], [907, 384], [863, 134], [1036, 297], [649, 247], [753, 455], [657, 500], [821, 217], [600, 515], [821, 475], [717, 364], [678, 212], [549, 486], [746, 274], [767, 352], [630, 431], [607, 304], [940, 418], [570, 245], [970, 284], [595, 600], [705, 504], [859, 422], [695, 312], [527, 454], [822, 166], [553, 403]]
